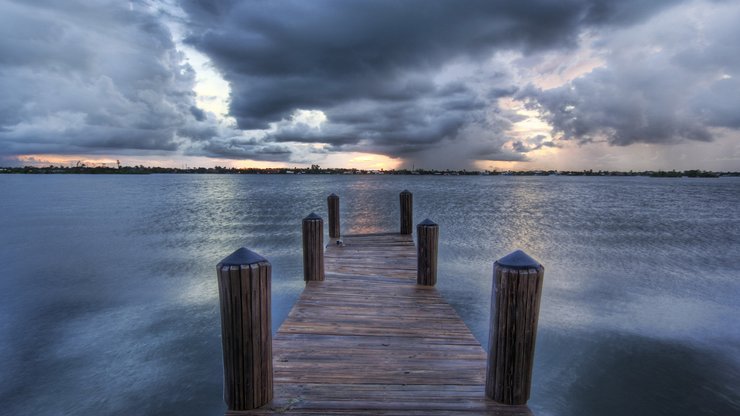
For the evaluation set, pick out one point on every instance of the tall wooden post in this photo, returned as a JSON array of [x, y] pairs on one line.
[[333, 202], [246, 330], [407, 212], [313, 248], [427, 234], [515, 307]]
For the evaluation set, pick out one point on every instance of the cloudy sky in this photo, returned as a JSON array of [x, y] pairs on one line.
[[531, 84]]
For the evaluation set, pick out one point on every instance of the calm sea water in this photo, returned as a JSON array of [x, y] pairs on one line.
[[108, 298]]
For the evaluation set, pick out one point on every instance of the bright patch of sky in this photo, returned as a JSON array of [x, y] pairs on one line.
[[628, 85]]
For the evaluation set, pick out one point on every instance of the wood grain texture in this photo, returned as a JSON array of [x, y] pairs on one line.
[[515, 305], [407, 212], [427, 234], [245, 294], [313, 248], [369, 341], [333, 205]]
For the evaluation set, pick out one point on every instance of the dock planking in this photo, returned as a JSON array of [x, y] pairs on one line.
[[369, 341]]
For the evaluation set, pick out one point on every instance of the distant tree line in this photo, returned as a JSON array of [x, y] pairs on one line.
[[318, 170]]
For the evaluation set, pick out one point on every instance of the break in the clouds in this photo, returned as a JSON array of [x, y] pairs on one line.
[[432, 82], [85, 77], [674, 78], [101, 77], [404, 79]]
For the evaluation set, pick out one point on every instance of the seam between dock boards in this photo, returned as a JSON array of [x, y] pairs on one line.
[[418, 359]]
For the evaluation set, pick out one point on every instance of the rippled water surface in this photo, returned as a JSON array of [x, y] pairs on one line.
[[108, 300]]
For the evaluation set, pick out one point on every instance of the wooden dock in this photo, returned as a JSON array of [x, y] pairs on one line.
[[368, 340]]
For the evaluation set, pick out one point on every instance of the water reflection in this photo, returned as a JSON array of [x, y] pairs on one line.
[[368, 206], [115, 281], [621, 373]]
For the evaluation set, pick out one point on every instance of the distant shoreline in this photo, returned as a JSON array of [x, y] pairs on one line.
[[315, 170]]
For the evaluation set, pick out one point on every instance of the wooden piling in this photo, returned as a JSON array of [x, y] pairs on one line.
[[407, 212], [313, 248], [515, 305], [427, 234], [246, 330], [333, 202]]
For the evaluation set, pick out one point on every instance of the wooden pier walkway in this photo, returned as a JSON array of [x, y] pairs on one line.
[[369, 341]]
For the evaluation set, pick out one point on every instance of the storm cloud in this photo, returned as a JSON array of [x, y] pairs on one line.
[[91, 77], [674, 79], [380, 70], [428, 82], [243, 148]]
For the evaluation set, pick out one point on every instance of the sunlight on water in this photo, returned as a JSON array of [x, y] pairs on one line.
[[110, 306]]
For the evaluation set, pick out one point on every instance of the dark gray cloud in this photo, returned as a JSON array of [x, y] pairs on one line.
[[673, 80], [414, 79], [372, 66], [533, 143], [81, 77], [243, 148], [100, 77]]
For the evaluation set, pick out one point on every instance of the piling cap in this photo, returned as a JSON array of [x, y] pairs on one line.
[[518, 260], [312, 216], [241, 257], [333, 195], [405, 191], [428, 222]]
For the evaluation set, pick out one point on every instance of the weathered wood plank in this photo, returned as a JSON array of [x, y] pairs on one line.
[[333, 206], [407, 212], [517, 287], [369, 341], [426, 271], [313, 248], [244, 292]]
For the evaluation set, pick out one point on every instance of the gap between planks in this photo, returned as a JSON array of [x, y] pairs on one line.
[[369, 341]]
